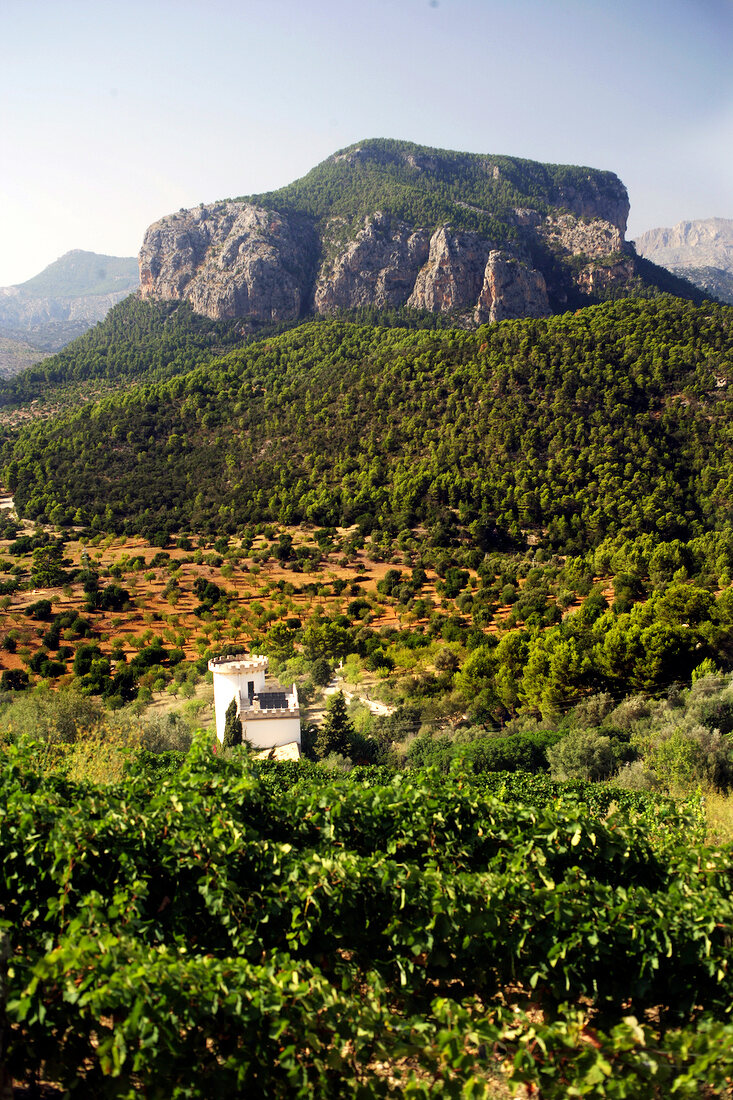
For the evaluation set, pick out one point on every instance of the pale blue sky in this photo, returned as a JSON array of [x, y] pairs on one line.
[[113, 114]]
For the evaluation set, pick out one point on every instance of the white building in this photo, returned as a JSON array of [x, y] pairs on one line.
[[270, 714]]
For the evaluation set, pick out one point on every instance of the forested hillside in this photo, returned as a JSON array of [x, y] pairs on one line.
[[611, 420], [151, 339]]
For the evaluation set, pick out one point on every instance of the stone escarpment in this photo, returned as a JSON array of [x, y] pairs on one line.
[[377, 268], [510, 290], [239, 260], [229, 260], [245, 259]]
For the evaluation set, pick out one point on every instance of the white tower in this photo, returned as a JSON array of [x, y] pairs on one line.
[[270, 715]]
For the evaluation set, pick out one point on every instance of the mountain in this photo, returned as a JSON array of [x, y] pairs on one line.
[[60, 303], [701, 251], [390, 224], [704, 243]]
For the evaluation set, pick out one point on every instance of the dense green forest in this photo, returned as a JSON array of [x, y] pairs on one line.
[[154, 340], [613, 420], [151, 339]]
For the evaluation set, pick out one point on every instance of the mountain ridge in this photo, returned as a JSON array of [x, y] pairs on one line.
[[392, 224], [705, 242]]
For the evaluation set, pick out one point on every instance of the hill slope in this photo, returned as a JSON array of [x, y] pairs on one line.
[[612, 420], [713, 280], [63, 300], [392, 224], [17, 356]]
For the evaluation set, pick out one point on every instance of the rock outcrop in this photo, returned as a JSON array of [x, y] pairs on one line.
[[378, 268], [237, 260], [609, 203], [312, 249], [229, 260], [574, 236], [451, 279], [510, 290]]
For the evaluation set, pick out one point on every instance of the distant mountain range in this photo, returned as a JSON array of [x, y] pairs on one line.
[[40, 316], [392, 225], [701, 251]]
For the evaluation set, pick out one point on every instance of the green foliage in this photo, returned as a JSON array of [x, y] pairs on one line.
[[337, 731], [46, 570], [41, 609], [232, 726], [50, 717], [583, 413], [285, 931], [582, 754], [321, 672], [519, 752]]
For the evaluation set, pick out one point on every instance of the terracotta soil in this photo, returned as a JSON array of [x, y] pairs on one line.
[[152, 614]]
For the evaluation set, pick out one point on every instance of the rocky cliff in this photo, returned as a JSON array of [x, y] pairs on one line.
[[701, 251], [704, 243], [387, 224], [229, 260]]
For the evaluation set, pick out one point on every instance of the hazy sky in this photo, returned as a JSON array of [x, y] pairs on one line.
[[114, 114]]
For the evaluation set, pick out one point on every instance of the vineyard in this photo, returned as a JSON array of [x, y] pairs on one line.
[[225, 929]]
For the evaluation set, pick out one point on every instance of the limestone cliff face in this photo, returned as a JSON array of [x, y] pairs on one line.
[[598, 242], [609, 204], [379, 267], [510, 290], [228, 260], [287, 258], [390, 264], [593, 238], [236, 259], [452, 277]]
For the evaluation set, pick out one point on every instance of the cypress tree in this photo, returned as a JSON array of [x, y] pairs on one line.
[[232, 726]]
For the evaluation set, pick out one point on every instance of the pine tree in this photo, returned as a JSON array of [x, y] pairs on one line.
[[336, 731], [232, 726]]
